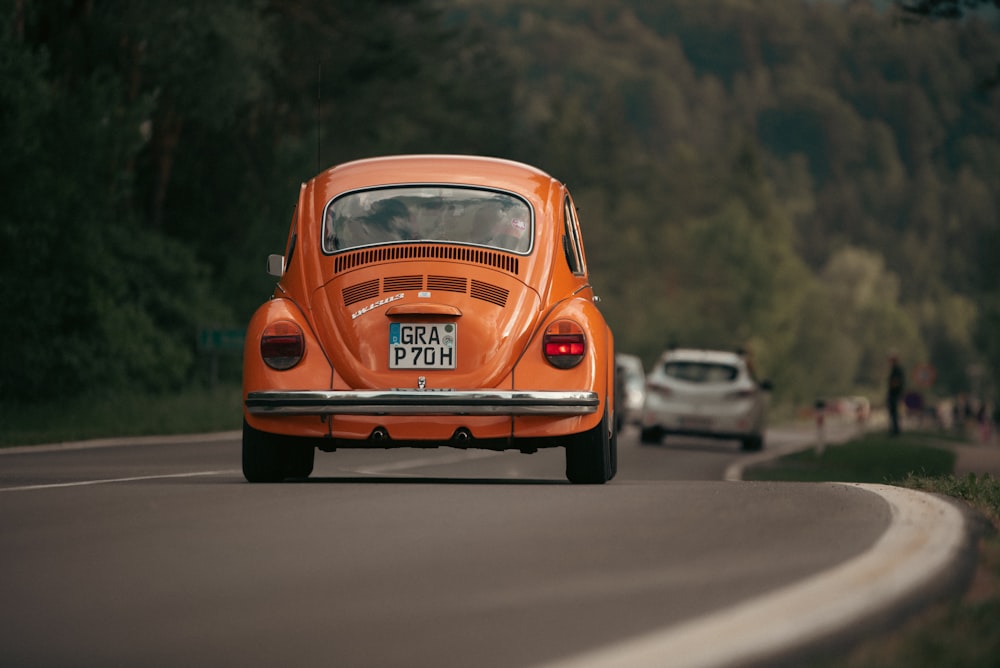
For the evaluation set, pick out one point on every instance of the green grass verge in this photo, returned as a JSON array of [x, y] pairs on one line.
[[873, 458], [959, 634], [194, 411]]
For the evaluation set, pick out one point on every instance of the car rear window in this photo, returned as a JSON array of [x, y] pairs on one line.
[[428, 213], [701, 372]]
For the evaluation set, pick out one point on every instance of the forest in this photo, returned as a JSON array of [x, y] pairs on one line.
[[816, 181]]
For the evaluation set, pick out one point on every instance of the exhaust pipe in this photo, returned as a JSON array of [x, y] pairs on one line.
[[379, 434], [461, 436]]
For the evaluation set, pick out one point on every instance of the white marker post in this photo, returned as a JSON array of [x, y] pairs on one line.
[[820, 435]]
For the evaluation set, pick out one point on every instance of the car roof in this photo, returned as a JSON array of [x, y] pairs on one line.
[[472, 170], [703, 355]]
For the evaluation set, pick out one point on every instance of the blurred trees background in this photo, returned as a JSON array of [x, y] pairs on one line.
[[817, 180]]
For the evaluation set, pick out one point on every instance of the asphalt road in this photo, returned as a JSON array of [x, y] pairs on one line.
[[159, 554]]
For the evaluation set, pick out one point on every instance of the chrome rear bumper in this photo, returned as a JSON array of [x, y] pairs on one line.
[[421, 402]]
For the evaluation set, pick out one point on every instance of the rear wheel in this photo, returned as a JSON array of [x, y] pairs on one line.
[[753, 443], [272, 458], [299, 460], [592, 457], [614, 455]]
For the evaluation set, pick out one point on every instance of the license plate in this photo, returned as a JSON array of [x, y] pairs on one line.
[[695, 423], [414, 345]]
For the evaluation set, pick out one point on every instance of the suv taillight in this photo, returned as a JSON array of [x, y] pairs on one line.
[[743, 394], [564, 344], [282, 345], [656, 388]]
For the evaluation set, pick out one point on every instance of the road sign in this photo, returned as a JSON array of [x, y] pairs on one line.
[[221, 339]]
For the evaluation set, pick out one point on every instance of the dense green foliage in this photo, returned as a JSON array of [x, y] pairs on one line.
[[814, 180]]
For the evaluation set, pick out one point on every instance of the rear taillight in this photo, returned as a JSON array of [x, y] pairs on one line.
[[282, 345], [742, 394], [662, 390], [564, 344]]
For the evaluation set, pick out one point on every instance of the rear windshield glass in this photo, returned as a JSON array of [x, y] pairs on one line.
[[701, 372], [428, 213]]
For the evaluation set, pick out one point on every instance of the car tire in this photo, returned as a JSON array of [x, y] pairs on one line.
[[753, 443], [299, 460], [651, 435], [272, 458], [614, 455], [590, 457]]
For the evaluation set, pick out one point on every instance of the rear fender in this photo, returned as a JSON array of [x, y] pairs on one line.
[[313, 372], [594, 373]]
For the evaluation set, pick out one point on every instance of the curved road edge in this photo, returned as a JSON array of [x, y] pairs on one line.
[[928, 550]]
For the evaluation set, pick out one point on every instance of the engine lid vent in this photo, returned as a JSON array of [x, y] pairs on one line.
[[352, 260]]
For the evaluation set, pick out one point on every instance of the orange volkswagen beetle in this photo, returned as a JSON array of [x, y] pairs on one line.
[[426, 301]]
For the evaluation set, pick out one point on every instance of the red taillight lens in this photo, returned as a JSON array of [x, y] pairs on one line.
[[282, 345], [662, 390], [564, 344], [742, 394]]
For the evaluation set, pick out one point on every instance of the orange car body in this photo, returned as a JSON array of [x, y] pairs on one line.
[[429, 301]]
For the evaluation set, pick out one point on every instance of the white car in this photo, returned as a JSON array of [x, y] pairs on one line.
[[709, 393], [632, 388]]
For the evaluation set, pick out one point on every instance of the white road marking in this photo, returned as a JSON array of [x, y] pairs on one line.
[[923, 540], [106, 481]]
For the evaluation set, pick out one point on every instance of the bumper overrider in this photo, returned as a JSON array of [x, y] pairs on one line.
[[421, 402]]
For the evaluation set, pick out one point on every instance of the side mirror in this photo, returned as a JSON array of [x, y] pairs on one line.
[[276, 265]]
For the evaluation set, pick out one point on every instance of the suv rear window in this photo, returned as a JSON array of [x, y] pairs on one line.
[[701, 372]]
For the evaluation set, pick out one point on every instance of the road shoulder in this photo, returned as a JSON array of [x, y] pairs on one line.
[[926, 552]]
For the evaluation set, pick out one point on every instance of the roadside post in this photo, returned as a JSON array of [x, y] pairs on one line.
[[820, 433]]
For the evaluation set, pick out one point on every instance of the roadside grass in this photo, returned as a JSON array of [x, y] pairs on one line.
[[194, 411], [961, 633], [872, 458]]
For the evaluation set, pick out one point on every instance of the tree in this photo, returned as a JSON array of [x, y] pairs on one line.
[[709, 209], [946, 9], [865, 295], [988, 326], [102, 301]]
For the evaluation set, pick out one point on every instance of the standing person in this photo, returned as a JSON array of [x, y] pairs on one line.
[[895, 393]]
